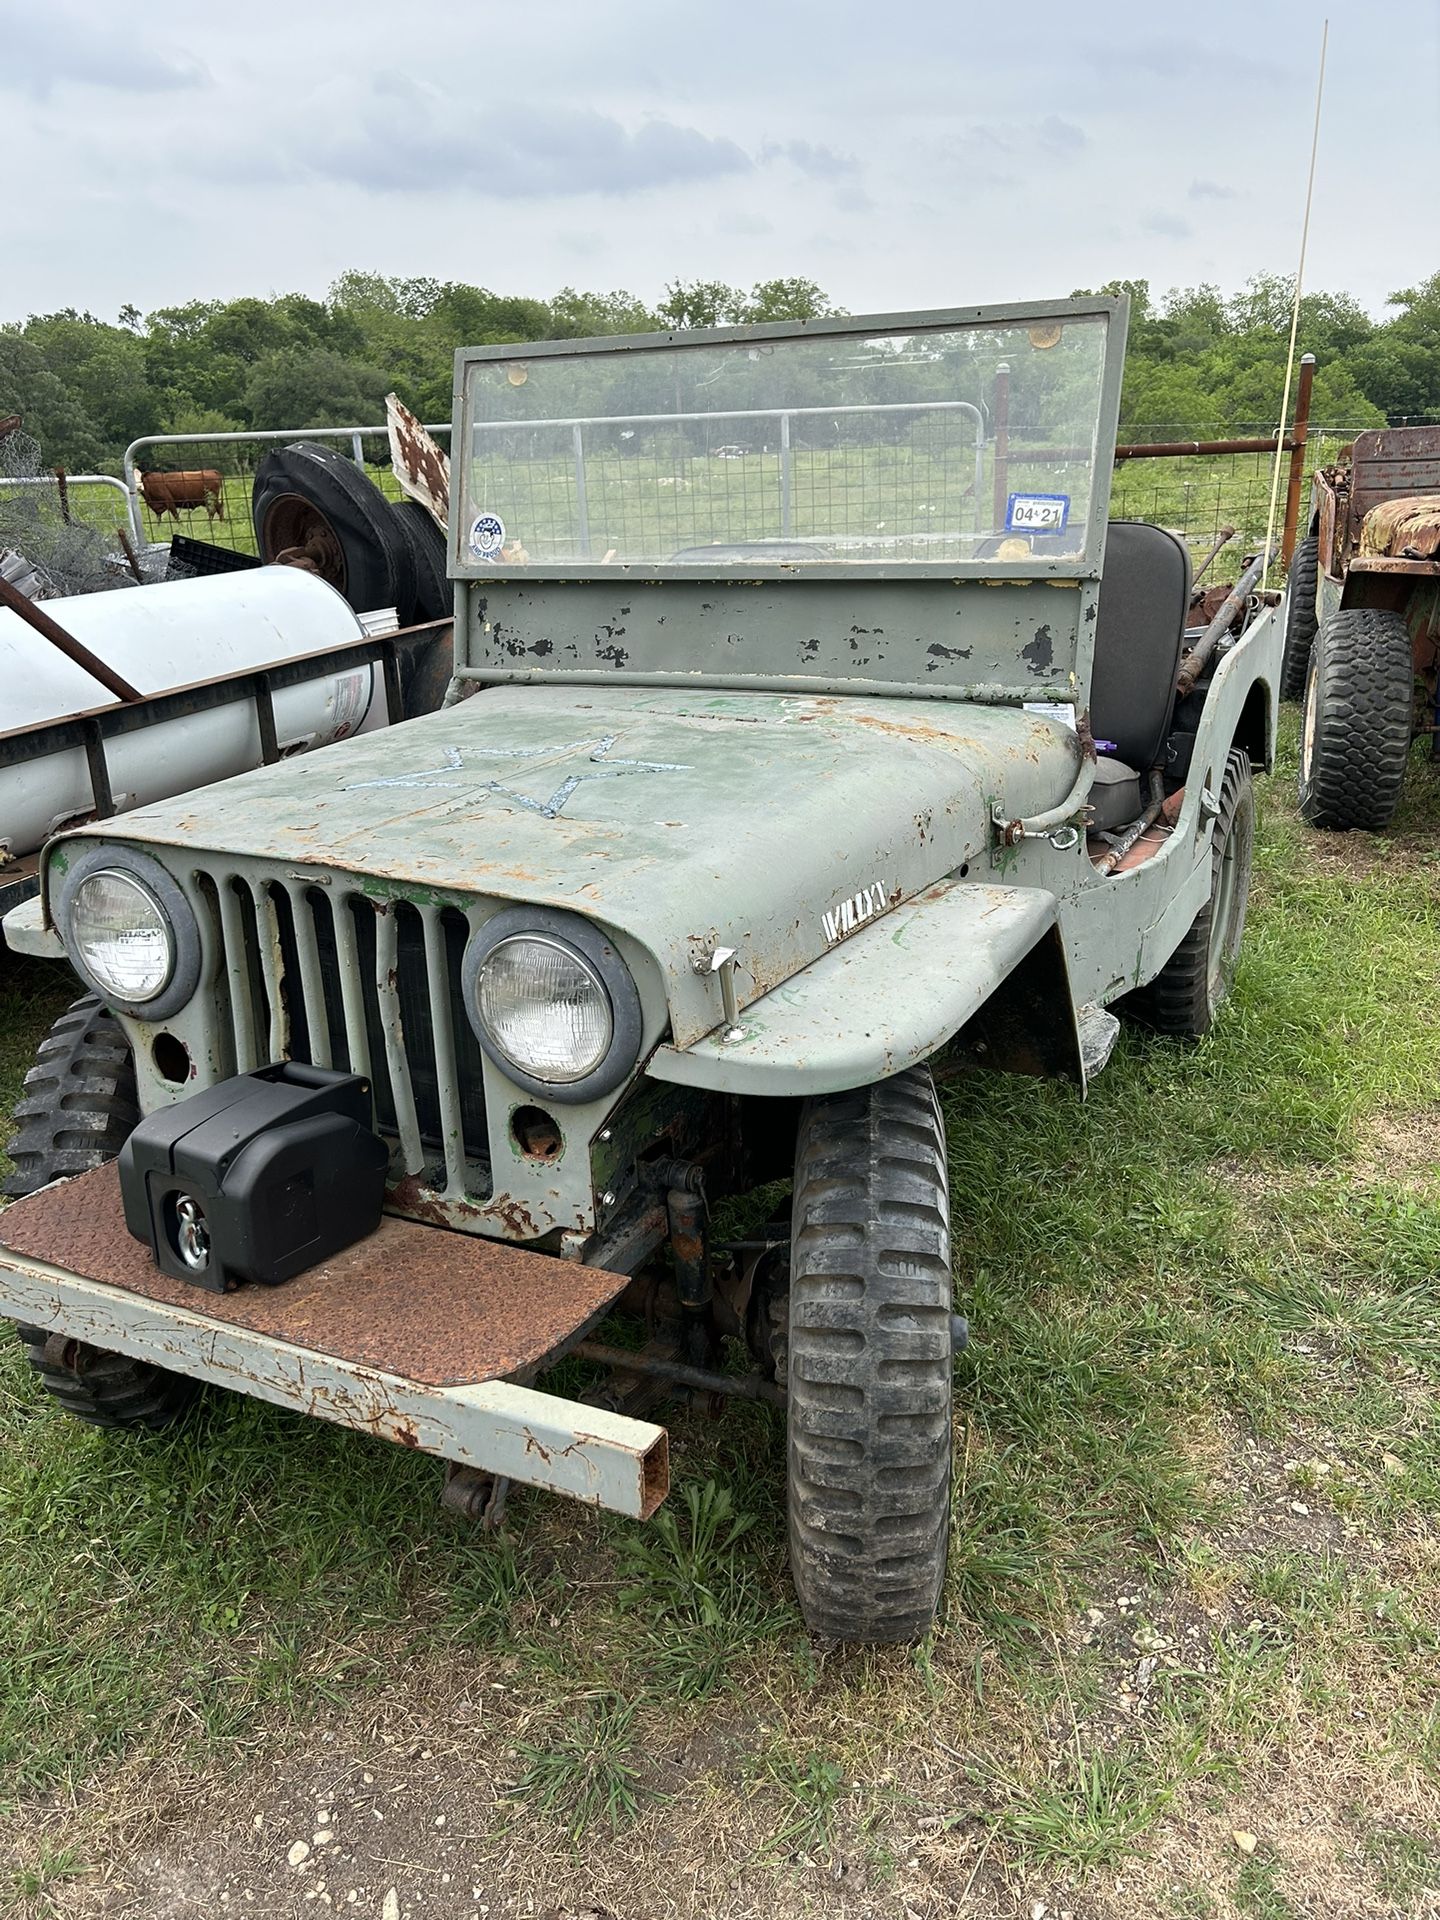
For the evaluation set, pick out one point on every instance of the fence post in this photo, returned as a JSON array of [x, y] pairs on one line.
[[785, 476], [1297, 458], [582, 504], [357, 449], [1002, 443]]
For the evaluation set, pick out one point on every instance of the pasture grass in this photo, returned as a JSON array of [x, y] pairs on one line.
[[1192, 1598]]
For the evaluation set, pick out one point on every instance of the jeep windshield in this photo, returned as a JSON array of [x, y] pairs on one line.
[[980, 442]]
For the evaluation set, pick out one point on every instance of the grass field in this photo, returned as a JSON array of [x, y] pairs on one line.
[[1190, 1655]]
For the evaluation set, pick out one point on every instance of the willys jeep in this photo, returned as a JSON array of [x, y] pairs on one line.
[[1362, 625], [767, 786]]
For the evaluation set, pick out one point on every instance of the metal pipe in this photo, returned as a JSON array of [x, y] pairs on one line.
[[1002, 444], [1039, 826], [1132, 835], [72, 648], [1222, 539], [743, 1386], [1198, 658], [786, 511], [1298, 436]]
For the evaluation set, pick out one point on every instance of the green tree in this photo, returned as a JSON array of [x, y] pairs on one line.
[[313, 387]]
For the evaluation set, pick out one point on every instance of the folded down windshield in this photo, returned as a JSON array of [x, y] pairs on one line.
[[938, 443]]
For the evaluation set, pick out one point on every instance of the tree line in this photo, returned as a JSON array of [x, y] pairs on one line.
[[1199, 361]]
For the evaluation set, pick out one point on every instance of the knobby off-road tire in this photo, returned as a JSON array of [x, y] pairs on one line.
[[1356, 722], [78, 1108], [1189, 990], [1301, 620], [870, 1362]]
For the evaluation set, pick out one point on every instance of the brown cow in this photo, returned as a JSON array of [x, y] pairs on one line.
[[171, 492]]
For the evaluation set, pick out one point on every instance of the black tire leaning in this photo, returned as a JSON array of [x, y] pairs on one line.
[[371, 562], [77, 1109], [434, 596], [1301, 619], [1190, 989], [870, 1362], [1357, 720]]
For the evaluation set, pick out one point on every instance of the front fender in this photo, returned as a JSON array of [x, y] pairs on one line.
[[895, 993]]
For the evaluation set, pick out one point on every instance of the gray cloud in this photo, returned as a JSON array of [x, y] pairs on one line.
[[819, 162], [1169, 226], [1211, 190], [413, 140], [46, 47], [1061, 136]]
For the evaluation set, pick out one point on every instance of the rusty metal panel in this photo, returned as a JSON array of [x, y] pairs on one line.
[[418, 461], [1389, 461], [436, 1308], [1406, 528]]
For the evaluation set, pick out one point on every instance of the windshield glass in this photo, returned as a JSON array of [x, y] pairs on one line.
[[941, 444]]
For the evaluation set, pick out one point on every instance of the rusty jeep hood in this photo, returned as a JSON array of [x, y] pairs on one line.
[[679, 820]]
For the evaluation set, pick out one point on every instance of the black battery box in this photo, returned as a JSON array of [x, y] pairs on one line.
[[257, 1178]]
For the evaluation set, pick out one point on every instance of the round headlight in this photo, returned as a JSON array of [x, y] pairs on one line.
[[545, 1008], [120, 936]]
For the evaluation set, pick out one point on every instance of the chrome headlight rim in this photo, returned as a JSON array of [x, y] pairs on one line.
[[168, 896], [599, 953]]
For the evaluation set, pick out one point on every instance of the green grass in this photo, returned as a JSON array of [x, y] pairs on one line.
[[1202, 1298]]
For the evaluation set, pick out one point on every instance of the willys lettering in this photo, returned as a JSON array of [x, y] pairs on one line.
[[853, 912]]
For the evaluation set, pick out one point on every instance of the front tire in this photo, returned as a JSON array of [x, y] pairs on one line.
[[1356, 722], [78, 1108], [1188, 992], [1301, 619], [870, 1362]]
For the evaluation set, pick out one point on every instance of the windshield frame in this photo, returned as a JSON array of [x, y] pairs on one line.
[[1111, 312]]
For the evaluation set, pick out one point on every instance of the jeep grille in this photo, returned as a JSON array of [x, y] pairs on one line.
[[334, 978]]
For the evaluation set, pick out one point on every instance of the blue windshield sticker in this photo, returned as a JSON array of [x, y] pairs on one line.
[[1037, 512], [487, 536]]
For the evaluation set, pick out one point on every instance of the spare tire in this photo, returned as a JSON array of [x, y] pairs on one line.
[[434, 596], [313, 507]]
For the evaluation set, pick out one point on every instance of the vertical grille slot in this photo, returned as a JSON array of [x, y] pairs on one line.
[[337, 979]]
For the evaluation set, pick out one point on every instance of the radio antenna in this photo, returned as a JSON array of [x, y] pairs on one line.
[[1295, 304]]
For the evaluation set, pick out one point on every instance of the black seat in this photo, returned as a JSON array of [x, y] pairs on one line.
[[1144, 598]]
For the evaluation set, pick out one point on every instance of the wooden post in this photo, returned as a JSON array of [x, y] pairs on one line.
[[1298, 437]]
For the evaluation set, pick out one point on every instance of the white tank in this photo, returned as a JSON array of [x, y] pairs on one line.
[[167, 636]]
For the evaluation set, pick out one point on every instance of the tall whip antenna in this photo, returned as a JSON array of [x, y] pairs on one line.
[[1295, 304]]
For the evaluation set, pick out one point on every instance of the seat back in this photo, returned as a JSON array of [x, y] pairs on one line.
[[1144, 598]]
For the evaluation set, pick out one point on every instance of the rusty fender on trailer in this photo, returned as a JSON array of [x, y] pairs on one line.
[[895, 992]]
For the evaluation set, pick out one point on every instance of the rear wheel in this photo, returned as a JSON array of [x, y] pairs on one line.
[[870, 1362], [1189, 990], [1357, 719], [76, 1112], [1301, 620]]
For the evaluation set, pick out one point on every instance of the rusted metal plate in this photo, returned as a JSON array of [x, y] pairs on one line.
[[418, 461], [1390, 461], [435, 1307], [1407, 528]]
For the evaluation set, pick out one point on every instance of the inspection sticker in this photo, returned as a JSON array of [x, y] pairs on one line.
[[1037, 512], [487, 536]]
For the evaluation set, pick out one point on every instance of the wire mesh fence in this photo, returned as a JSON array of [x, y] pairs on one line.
[[62, 534], [203, 487], [922, 486]]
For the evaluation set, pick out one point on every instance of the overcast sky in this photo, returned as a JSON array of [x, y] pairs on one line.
[[925, 154]]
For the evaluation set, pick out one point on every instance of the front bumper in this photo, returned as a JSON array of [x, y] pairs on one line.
[[415, 1335]]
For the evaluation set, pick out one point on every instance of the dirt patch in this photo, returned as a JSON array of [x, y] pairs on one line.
[[1402, 1148]]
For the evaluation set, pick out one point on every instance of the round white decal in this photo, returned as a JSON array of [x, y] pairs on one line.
[[487, 536]]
